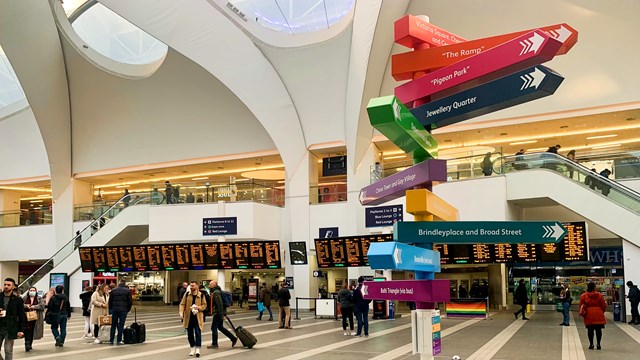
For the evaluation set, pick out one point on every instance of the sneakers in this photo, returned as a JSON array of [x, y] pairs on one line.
[[96, 341], [212, 346], [348, 332], [120, 342], [197, 352], [258, 318], [345, 333], [357, 335], [192, 352]]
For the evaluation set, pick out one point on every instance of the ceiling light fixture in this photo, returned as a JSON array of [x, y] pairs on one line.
[[394, 157], [36, 201], [537, 149], [601, 136], [200, 178], [524, 142], [605, 146]]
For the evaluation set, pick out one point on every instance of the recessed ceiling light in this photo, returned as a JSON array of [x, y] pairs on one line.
[[523, 142], [601, 136], [503, 134], [605, 146], [564, 126], [447, 140]]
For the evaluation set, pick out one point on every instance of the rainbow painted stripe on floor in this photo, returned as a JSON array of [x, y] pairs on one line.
[[466, 308]]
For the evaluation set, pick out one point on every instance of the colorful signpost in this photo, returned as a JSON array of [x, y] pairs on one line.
[[518, 54], [398, 256], [407, 290], [411, 31], [423, 203]]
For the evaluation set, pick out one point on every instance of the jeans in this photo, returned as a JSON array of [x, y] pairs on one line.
[[362, 316], [62, 324], [523, 310], [270, 313], [8, 345], [284, 318], [194, 334], [565, 312], [118, 319], [634, 313], [217, 323], [347, 313]]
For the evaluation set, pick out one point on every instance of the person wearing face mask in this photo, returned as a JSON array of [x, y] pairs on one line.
[[34, 329]]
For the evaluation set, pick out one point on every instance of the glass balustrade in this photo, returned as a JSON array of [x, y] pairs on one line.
[[266, 192], [23, 217], [327, 193]]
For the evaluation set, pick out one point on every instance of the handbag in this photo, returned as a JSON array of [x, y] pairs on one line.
[[583, 310], [104, 320], [31, 315], [560, 307], [260, 306]]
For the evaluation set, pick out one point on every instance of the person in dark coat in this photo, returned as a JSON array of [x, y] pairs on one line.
[[218, 312], [265, 298], [85, 296], [361, 309], [12, 318], [284, 317], [606, 188], [634, 299], [120, 302], [345, 299], [126, 198], [487, 167], [521, 299], [168, 191], [594, 308], [61, 312]]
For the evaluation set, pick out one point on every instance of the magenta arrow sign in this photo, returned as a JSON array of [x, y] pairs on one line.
[[407, 290], [525, 51]]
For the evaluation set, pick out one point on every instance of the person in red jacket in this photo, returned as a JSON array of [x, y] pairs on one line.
[[594, 307]]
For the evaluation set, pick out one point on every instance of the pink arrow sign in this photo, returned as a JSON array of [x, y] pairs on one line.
[[525, 51], [407, 290]]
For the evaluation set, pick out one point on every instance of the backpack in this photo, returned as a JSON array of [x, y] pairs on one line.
[[227, 298]]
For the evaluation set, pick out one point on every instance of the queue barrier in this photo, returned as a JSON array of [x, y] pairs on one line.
[[322, 307], [468, 307]]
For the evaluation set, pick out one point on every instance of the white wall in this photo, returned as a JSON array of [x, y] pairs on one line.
[[631, 264], [633, 184], [477, 199], [27, 242], [22, 152]]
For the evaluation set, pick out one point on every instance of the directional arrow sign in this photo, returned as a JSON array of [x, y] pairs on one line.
[[394, 186], [518, 54], [410, 31], [407, 290], [479, 232], [424, 202], [397, 256], [511, 90], [404, 65], [397, 123]]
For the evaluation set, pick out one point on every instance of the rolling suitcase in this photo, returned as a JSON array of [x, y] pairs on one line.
[[246, 338], [129, 335], [139, 328]]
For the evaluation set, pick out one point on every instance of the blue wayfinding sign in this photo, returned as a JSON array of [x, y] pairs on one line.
[[382, 215], [220, 226], [511, 90], [398, 256]]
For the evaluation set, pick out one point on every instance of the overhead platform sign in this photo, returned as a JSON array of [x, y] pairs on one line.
[[479, 232], [518, 54], [398, 256], [515, 89]]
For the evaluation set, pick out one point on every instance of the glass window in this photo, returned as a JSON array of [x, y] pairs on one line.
[[10, 89]]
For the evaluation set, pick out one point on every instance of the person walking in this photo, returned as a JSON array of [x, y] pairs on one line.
[[34, 328], [634, 299], [361, 309], [565, 299], [487, 166], [99, 307], [592, 308], [571, 155], [244, 297], [120, 302], [604, 186], [218, 311], [60, 312], [85, 297], [345, 299], [284, 316], [265, 298], [192, 307], [521, 298], [12, 318], [168, 190]]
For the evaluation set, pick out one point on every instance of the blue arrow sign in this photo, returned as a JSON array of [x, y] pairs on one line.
[[479, 232], [397, 256], [511, 90]]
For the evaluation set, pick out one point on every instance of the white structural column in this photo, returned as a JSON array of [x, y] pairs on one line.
[[9, 269], [631, 263]]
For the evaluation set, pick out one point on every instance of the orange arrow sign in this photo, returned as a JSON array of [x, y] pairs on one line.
[[410, 31], [403, 66]]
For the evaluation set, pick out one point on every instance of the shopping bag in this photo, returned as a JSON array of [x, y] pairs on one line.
[[260, 306], [104, 320]]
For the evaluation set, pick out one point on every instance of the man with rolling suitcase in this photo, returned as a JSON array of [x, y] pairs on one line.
[[218, 312]]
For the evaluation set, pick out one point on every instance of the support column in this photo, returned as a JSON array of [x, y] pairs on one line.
[[9, 269], [10, 202]]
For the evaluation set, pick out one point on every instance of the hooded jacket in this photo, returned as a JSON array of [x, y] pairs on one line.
[[596, 307]]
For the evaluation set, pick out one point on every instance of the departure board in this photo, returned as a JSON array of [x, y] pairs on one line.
[[443, 249], [353, 249], [182, 257], [168, 257], [256, 255], [460, 254], [212, 256], [503, 253], [365, 242], [298, 253], [338, 253], [125, 254], [525, 253], [113, 262], [196, 252], [481, 253], [99, 259], [154, 257], [140, 258], [575, 242], [551, 251], [226, 255], [323, 252], [86, 262], [241, 253], [272, 254]]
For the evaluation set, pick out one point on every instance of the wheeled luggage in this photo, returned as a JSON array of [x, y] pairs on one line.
[[246, 338], [129, 335], [139, 328]]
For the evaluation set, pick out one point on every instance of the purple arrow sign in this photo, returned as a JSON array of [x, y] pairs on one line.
[[407, 290], [394, 186], [518, 54]]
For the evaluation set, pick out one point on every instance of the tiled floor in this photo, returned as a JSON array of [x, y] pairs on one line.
[[499, 337]]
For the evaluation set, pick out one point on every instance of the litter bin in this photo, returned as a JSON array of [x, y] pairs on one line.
[[617, 311]]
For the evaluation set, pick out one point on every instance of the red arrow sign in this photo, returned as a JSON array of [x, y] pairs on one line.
[[518, 54], [407, 290], [410, 31], [404, 65]]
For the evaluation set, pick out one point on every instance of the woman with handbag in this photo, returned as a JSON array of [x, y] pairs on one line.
[[99, 308], [34, 310], [592, 308]]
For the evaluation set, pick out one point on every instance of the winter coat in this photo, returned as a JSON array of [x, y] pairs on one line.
[[38, 306], [15, 318], [217, 306], [85, 296], [59, 304], [120, 299], [283, 297], [185, 309], [359, 302], [596, 307], [265, 296], [97, 301], [345, 298], [520, 295], [634, 294]]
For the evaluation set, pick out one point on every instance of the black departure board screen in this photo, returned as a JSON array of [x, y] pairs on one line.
[[354, 254], [256, 255], [226, 255], [212, 256], [125, 254], [168, 256], [196, 252], [272, 254], [482, 253], [99, 258], [460, 254], [575, 242], [525, 253], [113, 262], [443, 249], [365, 241], [338, 253], [241, 253], [323, 252], [86, 261], [182, 257], [298, 253], [551, 251], [154, 257], [503, 253], [140, 258]]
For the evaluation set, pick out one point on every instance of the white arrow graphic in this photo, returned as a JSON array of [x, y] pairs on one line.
[[396, 110], [397, 255], [531, 44], [557, 231], [533, 79], [364, 290], [363, 195], [561, 34]]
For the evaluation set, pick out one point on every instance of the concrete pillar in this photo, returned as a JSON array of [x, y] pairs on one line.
[[9, 269], [82, 192]]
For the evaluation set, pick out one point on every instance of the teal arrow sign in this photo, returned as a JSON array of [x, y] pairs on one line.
[[479, 232]]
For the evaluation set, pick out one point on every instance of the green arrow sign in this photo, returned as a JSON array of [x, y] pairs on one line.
[[396, 122], [479, 232]]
